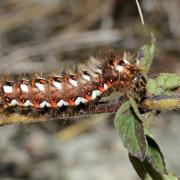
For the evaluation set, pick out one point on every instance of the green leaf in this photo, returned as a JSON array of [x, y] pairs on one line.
[[163, 83], [154, 162], [153, 165], [134, 106], [146, 118], [152, 87], [169, 177], [130, 129], [149, 51], [139, 167], [168, 81]]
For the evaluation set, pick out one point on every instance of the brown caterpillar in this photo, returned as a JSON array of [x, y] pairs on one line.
[[82, 87]]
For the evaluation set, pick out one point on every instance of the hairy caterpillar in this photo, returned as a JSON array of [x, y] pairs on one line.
[[86, 85]]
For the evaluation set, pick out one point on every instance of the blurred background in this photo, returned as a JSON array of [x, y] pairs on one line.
[[47, 35]]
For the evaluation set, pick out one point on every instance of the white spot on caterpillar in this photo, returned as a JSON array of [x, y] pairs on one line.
[[48, 104], [125, 58], [78, 101], [126, 61], [66, 103], [137, 62], [61, 103], [27, 103], [105, 86], [95, 93], [98, 71], [24, 88], [119, 68], [13, 102], [86, 77], [73, 82], [7, 89], [84, 100], [42, 104], [57, 84], [40, 86]]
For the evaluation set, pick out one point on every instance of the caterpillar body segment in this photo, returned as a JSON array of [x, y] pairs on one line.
[[82, 87]]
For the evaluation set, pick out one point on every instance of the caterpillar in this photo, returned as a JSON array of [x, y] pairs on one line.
[[88, 84]]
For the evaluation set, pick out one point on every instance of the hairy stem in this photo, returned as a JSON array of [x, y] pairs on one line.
[[162, 103]]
